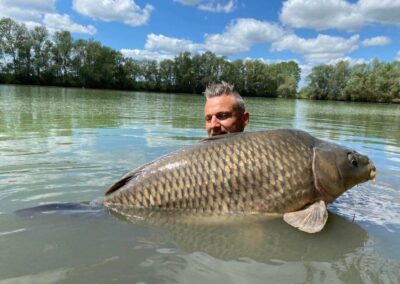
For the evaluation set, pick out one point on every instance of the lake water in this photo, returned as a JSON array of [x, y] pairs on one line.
[[69, 145]]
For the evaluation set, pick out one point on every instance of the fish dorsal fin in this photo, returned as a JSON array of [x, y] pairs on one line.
[[218, 137], [119, 184], [125, 179], [312, 219]]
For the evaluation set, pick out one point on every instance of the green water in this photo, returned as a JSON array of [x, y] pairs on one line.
[[69, 145]]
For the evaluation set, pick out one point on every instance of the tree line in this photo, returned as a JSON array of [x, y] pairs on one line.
[[34, 56], [368, 82]]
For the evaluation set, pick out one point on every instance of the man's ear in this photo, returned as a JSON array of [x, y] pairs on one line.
[[246, 117]]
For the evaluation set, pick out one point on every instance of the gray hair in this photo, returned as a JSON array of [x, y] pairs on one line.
[[225, 89]]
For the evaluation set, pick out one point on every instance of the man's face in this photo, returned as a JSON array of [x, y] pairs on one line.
[[220, 117]]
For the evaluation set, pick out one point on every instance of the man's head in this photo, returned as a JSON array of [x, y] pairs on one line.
[[224, 111]]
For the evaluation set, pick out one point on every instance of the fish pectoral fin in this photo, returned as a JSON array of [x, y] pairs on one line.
[[312, 219]]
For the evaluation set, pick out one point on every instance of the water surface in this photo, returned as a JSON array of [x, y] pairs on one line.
[[69, 145]]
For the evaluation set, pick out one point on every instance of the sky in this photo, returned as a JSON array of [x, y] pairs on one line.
[[310, 32]]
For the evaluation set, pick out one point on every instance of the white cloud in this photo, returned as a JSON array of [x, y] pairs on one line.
[[25, 10], [37, 5], [317, 50], [170, 45], [57, 22], [241, 34], [160, 47], [339, 14], [125, 11], [215, 6], [40, 12], [352, 61], [379, 40], [321, 15], [188, 2], [382, 11], [270, 61], [141, 54]]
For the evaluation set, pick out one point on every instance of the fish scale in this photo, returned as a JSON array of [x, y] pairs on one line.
[[266, 171]]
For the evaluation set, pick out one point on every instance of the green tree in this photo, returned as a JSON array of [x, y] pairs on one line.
[[360, 84], [320, 82], [339, 81], [288, 89], [234, 72], [257, 80], [61, 52], [167, 76], [35, 56], [96, 66], [372, 82], [285, 77], [184, 73], [15, 44], [151, 75], [41, 53], [133, 72]]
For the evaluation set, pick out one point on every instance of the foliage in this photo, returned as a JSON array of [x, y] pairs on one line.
[[373, 82], [36, 57]]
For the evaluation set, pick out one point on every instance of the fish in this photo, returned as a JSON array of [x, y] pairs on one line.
[[282, 171]]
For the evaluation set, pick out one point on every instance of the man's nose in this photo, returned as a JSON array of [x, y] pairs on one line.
[[215, 121]]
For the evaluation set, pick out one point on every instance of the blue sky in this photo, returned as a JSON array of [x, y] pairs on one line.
[[310, 32]]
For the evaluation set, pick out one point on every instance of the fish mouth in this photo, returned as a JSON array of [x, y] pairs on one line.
[[372, 172]]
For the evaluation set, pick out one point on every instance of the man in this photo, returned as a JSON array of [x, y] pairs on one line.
[[224, 110]]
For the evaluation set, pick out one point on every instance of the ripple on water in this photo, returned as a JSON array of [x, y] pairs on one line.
[[375, 203], [12, 232], [40, 196]]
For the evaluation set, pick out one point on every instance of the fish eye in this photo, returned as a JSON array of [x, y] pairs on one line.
[[354, 162], [353, 159]]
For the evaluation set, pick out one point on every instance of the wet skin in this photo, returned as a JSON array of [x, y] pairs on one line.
[[220, 117]]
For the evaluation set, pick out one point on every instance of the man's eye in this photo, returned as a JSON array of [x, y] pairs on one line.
[[224, 115], [208, 119]]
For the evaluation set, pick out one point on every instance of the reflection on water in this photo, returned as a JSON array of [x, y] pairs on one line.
[[69, 145], [44, 112], [261, 238], [167, 248]]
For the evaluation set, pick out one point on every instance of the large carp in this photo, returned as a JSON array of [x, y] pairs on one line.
[[277, 171]]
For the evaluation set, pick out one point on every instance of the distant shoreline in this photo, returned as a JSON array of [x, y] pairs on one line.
[[394, 101]]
